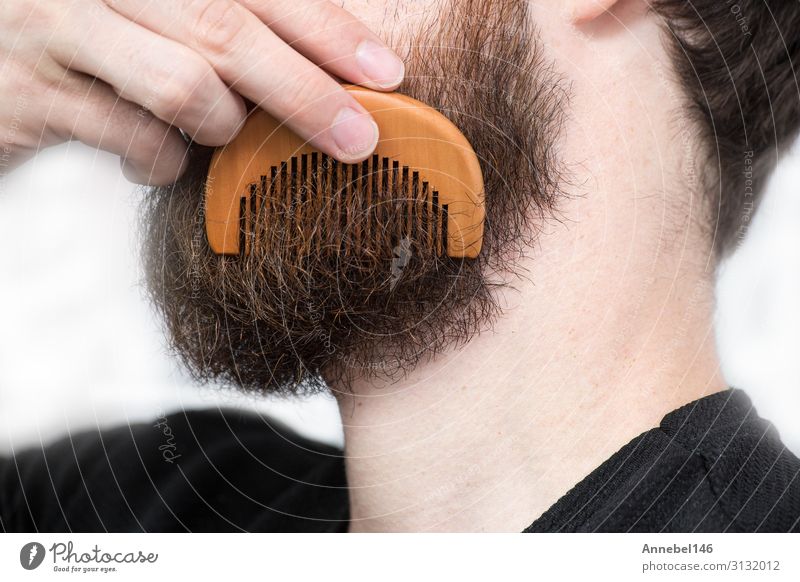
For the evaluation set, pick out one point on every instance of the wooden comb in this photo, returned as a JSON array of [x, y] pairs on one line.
[[421, 158]]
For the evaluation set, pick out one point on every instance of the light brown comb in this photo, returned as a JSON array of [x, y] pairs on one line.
[[421, 155]]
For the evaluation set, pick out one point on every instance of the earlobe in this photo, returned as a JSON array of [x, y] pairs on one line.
[[584, 11]]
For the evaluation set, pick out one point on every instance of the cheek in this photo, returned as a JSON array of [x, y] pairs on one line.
[[388, 18]]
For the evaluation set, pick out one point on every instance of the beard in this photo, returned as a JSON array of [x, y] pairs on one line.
[[291, 323]]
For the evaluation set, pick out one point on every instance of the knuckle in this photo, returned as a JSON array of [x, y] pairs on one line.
[[175, 91], [21, 18], [322, 21], [218, 25], [298, 94], [193, 78], [171, 98], [14, 15]]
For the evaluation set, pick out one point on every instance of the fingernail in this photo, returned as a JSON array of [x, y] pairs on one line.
[[380, 64], [355, 134]]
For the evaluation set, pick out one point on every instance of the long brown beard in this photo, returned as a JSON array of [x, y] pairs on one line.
[[281, 322]]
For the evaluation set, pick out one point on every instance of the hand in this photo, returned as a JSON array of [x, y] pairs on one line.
[[124, 75]]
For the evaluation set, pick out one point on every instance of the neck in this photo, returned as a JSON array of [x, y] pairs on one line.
[[488, 437]]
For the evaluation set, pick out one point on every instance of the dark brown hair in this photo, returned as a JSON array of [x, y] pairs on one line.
[[279, 321], [736, 62], [276, 323]]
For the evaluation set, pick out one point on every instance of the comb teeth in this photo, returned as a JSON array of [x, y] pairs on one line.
[[312, 203]]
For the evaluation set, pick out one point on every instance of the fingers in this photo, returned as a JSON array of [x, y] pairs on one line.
[[161, 75], [332, 38], [152, 151], [258, 64]]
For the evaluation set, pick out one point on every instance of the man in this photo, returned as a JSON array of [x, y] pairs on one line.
[[565, 381]]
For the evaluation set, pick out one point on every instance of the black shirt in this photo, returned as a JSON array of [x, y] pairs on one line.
[[712, 465]]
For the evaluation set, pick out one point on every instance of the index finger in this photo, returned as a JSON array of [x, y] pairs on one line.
[[261, 66]]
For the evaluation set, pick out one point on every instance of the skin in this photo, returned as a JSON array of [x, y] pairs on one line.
[[126, 75], [610, 331]]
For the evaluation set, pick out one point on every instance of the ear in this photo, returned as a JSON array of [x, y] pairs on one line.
[[583, 11]]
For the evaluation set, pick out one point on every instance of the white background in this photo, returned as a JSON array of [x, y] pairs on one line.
[[400, 557], [79, 347]]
